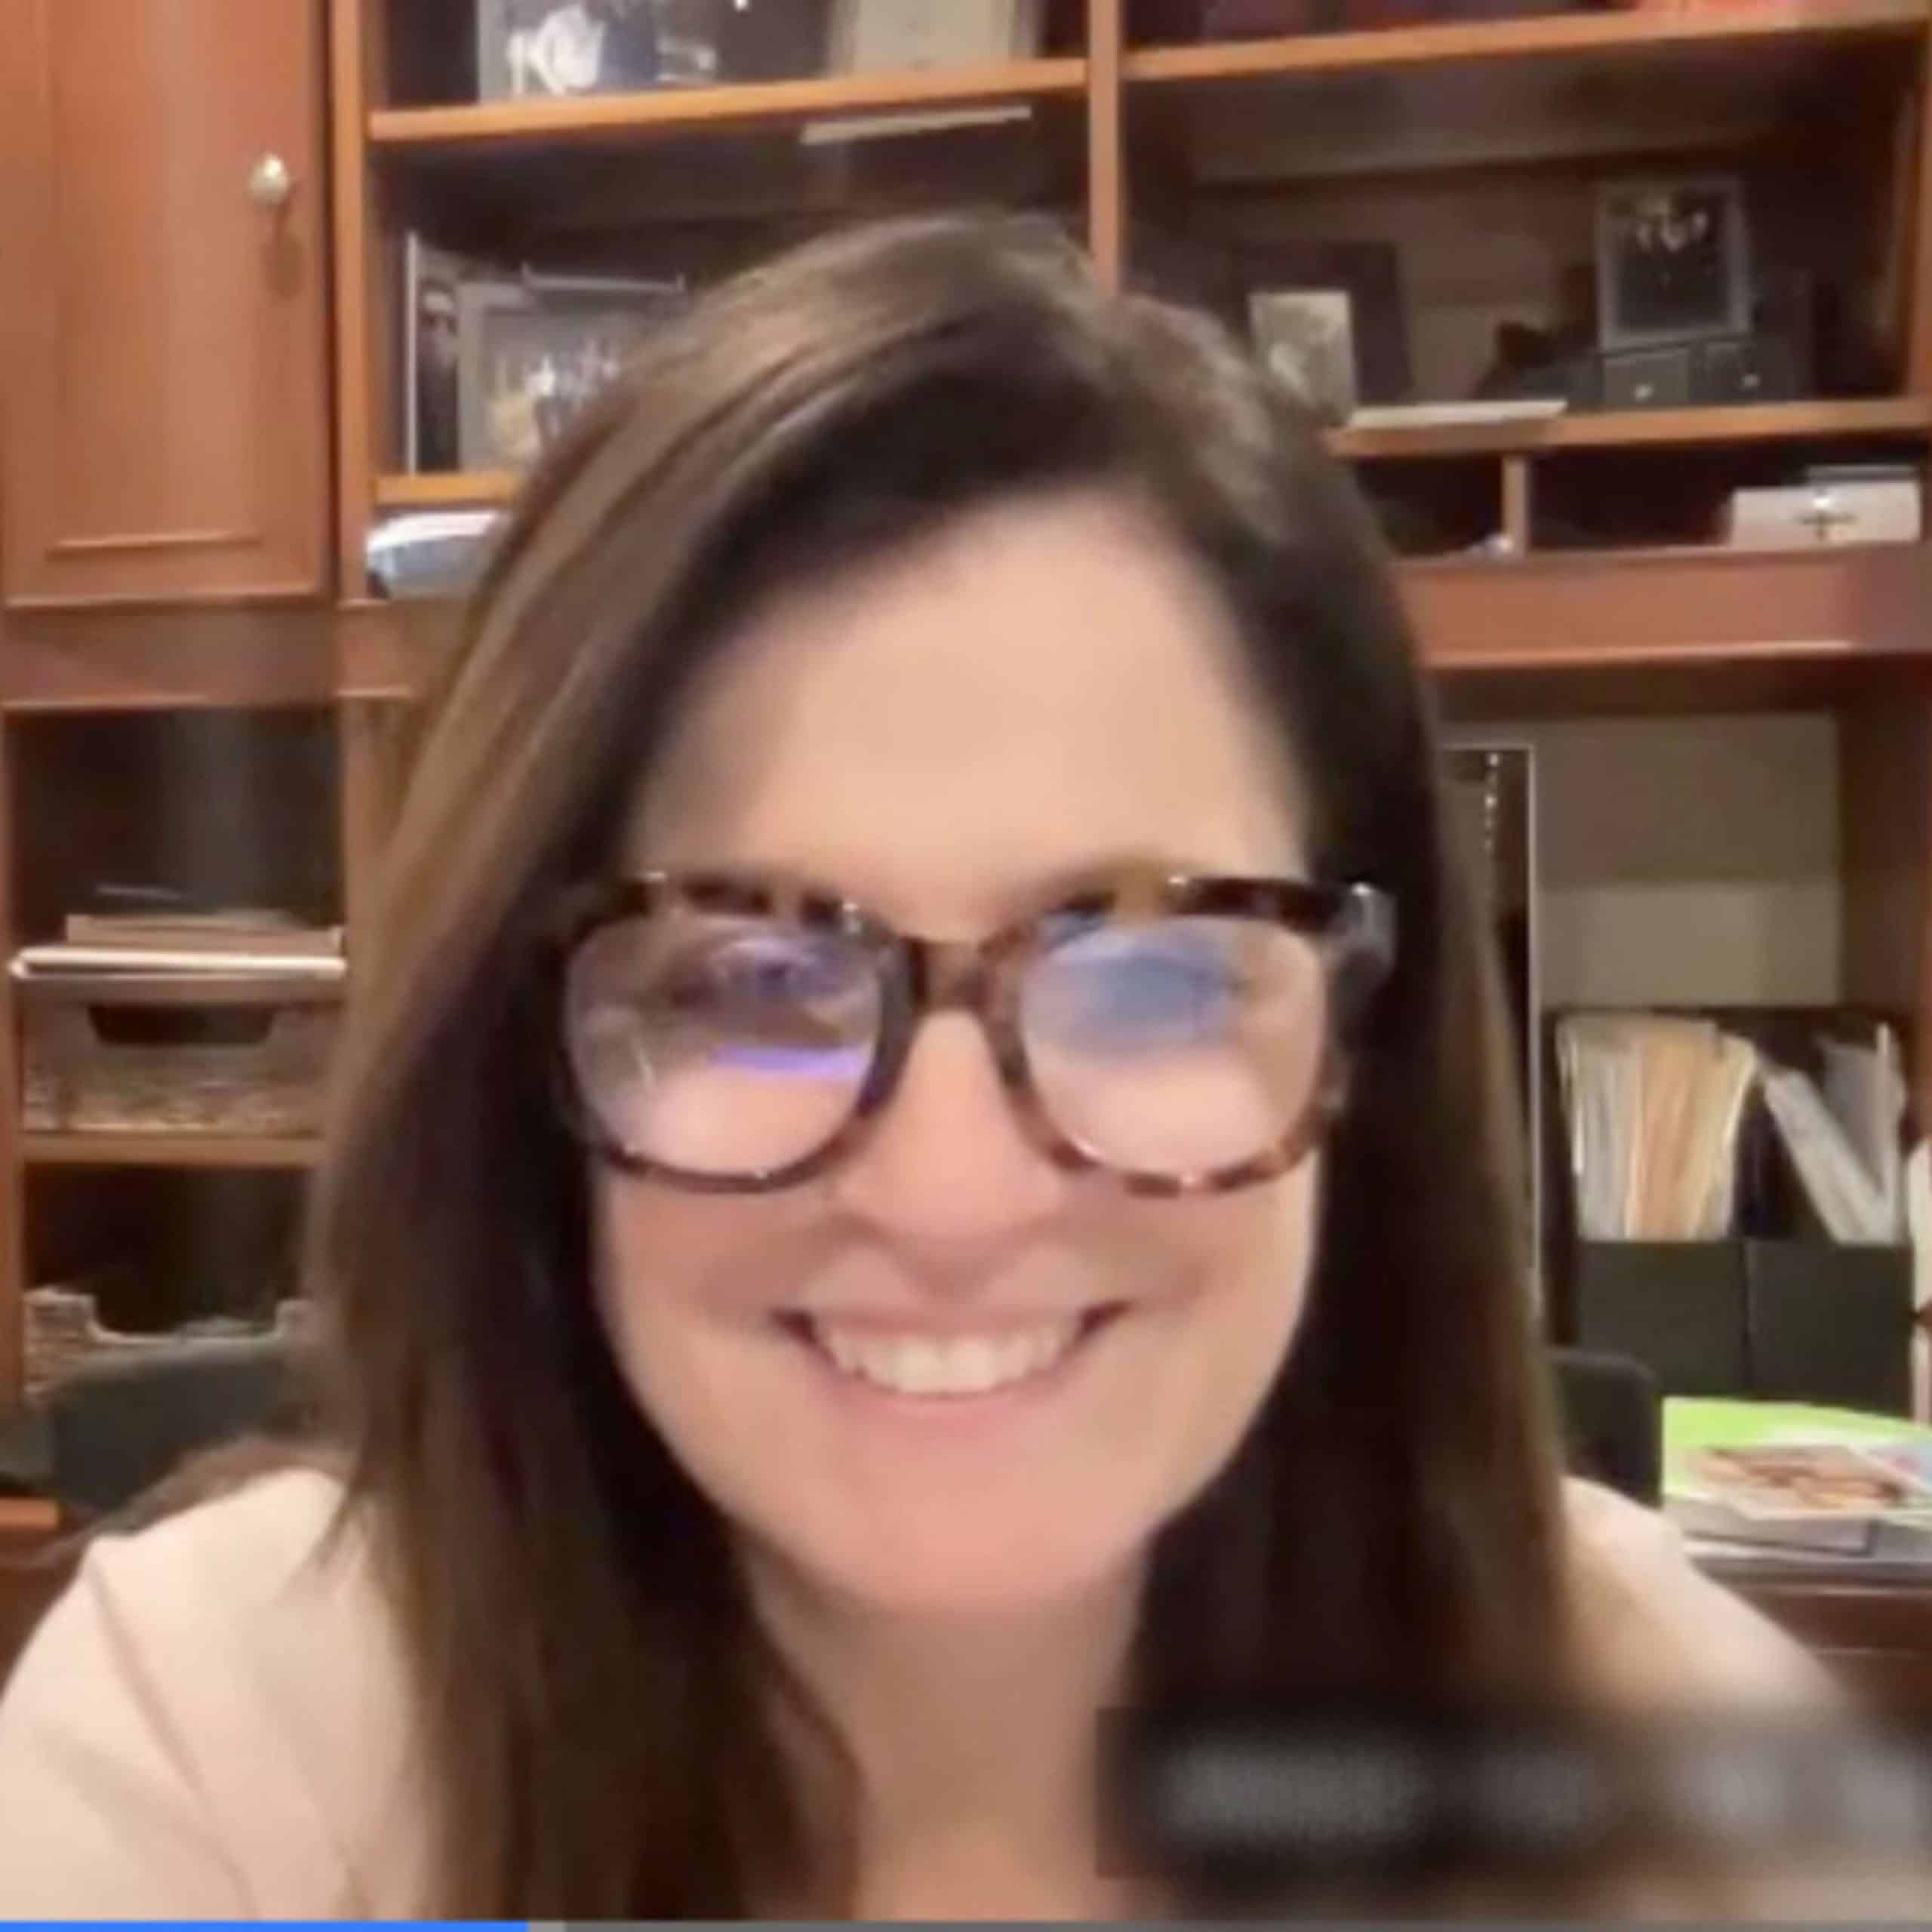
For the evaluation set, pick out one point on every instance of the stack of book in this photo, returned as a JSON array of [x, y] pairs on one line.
[[170, 943], [1774, 1478]]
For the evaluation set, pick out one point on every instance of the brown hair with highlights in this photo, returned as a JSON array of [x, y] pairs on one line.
[[606, 1732]]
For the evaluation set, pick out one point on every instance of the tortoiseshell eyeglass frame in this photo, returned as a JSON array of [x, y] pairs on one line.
[[1352, 926]]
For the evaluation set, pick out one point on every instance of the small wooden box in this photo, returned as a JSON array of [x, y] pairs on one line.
[[1801, 516]]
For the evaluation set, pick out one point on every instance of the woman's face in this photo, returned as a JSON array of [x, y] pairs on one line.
[[1043, 688]]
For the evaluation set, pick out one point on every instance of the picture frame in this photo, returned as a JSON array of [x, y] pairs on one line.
[[875, 36], [1305, 339], [1673, 260], [534, 352], [431, 361], [1371, 271], [552, 49]]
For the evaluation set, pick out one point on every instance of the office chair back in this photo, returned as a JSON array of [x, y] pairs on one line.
[[1612, 1413]]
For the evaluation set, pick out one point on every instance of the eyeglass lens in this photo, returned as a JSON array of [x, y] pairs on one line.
[[724, 1046]]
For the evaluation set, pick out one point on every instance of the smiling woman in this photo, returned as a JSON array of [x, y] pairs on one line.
[[922, 1155]]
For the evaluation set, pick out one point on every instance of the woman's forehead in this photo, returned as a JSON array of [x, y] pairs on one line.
[[1039, 687]]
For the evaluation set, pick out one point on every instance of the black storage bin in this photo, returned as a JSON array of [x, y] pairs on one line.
[[1778, 1311], [1780, 1321], [1829, 1323], [1678, 1307]]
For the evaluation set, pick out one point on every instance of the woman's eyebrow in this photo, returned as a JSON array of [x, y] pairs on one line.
[[1047, 888]]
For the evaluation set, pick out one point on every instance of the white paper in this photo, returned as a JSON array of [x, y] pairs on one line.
[[1864, 1087], [1846, 1198]]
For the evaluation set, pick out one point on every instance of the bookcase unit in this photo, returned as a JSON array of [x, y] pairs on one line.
[[1468, 147]]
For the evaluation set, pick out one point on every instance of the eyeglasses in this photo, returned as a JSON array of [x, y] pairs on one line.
[[1183, 1034]]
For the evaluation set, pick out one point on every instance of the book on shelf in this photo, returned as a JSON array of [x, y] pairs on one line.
[[259, 934], [1482, 413], [1792, 1477]]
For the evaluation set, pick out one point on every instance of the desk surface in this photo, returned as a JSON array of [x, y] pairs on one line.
[[1871, 1622]]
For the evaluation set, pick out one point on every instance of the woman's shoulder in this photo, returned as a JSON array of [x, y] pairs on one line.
[[1656, 1632], [213, 1717]]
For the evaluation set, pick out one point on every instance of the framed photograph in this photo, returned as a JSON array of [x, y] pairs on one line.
[[1306, 337], [532, 354], [430, 281], [1370, 273], [875, 36], [1673, 260], [539, 48]]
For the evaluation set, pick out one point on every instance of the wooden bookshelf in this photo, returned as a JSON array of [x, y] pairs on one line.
[[1844, 629], [1614, 32], [772, 104], [186, 1149]]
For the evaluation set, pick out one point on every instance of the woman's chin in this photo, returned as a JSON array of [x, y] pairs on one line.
[[958, 1576]]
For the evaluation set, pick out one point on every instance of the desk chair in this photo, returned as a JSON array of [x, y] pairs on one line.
[[1612, 1413], [115, 1426]]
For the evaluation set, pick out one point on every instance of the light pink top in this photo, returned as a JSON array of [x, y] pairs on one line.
[[213, 1722]]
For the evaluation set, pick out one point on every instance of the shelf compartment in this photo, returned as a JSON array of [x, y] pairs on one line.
[[224, 807], [155, 1246], [1553, 35], [768, 104]]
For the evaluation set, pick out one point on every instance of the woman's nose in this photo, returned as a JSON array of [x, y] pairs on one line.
[[947, 1162]]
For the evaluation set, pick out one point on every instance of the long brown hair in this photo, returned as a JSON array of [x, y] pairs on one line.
[[602, 1730]]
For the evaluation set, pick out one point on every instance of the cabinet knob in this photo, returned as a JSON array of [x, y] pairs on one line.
[[271, 182]]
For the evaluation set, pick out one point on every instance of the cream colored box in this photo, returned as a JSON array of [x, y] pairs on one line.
[[1801, 516]]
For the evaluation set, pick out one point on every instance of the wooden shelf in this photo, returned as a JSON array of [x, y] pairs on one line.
[[185, 1150], [1556, 34], [772, 104], [1763, 422], [443, 490], [1853, 605], [133, 657]]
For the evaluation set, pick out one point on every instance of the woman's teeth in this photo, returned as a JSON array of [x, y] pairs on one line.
[[949, 1365]]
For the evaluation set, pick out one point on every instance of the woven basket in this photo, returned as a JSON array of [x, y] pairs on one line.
[[64, 1332], [79, 1078]]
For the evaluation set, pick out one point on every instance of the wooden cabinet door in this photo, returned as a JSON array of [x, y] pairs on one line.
[[163, 358]]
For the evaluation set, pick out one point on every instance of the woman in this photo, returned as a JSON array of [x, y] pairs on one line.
[[920, 1156]]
